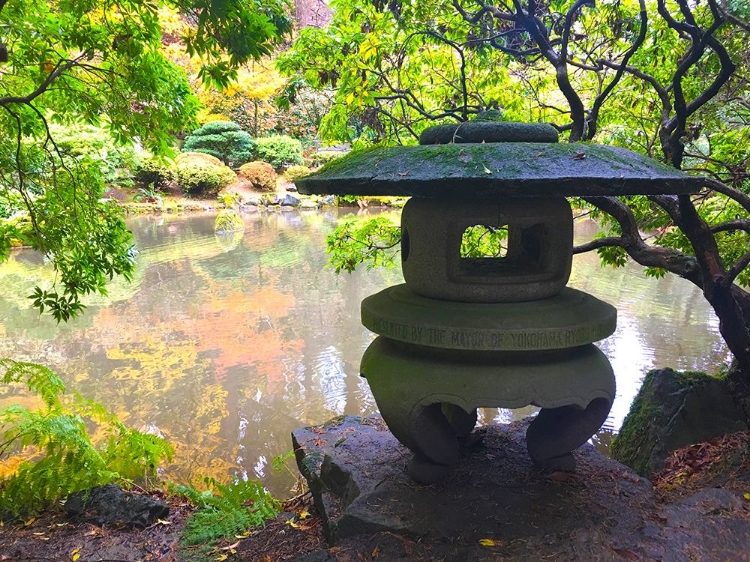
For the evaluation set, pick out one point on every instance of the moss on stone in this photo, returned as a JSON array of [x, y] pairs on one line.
[[673, 410], [633, 446]]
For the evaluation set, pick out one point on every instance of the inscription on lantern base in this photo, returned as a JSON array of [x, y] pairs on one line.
[[571, 319]]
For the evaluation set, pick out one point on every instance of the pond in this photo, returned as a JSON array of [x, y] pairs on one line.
[[226, 346]]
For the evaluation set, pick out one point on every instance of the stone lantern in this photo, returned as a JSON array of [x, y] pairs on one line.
[[468, 332]]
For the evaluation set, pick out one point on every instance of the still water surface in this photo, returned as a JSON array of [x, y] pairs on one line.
[[225, 346]]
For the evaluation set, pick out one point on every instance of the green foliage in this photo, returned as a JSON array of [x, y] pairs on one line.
[[228, 221], [197, 177], [480, 241], [226, 510], [82, 65], [148, 195], [153, 173], [116, 161], [224, 140], [260, 174], [323, 157], [293, 173], [373, 242], [279, 151], [58, 455]]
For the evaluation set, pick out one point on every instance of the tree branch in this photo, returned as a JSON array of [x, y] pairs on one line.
[[631, 241]]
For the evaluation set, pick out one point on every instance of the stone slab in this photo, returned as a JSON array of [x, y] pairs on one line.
[[569, 319], [356, 472], [602, 512], [476, 171]]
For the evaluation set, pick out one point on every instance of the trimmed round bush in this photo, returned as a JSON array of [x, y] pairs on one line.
[[155, 173], [198, 157], [195, 176], [293, 173], [323, 157], [280, 151], [223, 139], [260, 174]]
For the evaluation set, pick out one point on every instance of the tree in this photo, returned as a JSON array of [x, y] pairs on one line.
[[100, 62], [665, 78]]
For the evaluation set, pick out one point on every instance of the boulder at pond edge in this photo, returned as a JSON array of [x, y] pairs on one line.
[[674, 410]]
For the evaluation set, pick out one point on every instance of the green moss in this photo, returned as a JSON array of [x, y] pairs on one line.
[[633, 446], [639, 435]]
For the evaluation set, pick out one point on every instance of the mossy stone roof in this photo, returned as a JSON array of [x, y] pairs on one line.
[[493, 170]]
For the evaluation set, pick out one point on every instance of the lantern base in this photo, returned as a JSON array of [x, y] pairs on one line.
[[428, 398]]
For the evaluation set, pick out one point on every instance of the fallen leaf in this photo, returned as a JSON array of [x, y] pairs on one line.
[[29, 522], [231, 546], [304, 514], [486, 169], [221, 557], [75, 554], [490, 542], [375, 551], [579, 156], [403, 173], [747, 496]]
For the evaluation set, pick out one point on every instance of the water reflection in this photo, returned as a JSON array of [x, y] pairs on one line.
[[227, 347]]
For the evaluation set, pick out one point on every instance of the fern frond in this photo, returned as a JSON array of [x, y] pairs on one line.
[[61, 458], [227, 509], [37, 378]]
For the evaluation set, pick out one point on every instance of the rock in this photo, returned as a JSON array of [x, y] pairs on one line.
[[270, 199], [110, 505], [255, 200], [289, 201], [673, 410], [308, 204], [328, 201], [356, 471], [291, 187]]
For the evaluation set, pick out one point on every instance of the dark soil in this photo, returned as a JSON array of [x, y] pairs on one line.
[[695, 475]]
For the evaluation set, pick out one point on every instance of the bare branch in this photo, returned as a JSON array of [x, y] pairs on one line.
[[732, 226]]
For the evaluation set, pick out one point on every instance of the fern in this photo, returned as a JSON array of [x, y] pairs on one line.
[[59, 456], [225, 510]]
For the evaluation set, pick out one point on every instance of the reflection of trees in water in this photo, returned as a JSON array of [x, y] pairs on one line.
[[227, 352]]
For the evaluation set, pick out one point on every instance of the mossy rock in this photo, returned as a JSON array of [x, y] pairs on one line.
[[674, 410]]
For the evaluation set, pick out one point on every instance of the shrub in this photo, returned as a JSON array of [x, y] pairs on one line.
[[279, 151], [195, 176], [293, 173], [197, 157], [260, 174], [115, 161], [224, 140], [325, 156], [152, 172]]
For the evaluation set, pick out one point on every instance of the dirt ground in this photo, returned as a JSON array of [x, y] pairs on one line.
[[297, 532]]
